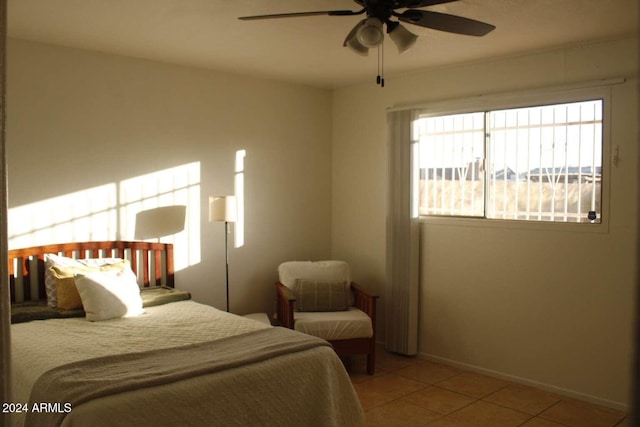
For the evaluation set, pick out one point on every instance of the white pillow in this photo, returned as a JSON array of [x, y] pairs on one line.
[[323, 271], [52, 259], [109, 294]]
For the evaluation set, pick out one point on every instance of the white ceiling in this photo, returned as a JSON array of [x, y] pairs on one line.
[[207, 33]]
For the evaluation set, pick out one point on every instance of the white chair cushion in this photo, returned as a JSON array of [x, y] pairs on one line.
[[334, 325], [321, 271]]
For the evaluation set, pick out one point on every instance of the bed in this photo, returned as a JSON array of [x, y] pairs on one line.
[[162, 360]]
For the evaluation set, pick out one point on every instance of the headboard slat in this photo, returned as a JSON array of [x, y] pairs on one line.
[[29, 262], [134, 261], [157, 267], [169, 264], [145, 267]]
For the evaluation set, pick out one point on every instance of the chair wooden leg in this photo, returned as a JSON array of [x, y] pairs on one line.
[[371, 359]]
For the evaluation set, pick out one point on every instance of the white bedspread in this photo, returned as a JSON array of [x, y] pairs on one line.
[[308, 388]]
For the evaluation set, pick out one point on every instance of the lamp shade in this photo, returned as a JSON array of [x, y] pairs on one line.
[[402, 38], [159, 222], [370, 33], [222, 208], [352, 40]]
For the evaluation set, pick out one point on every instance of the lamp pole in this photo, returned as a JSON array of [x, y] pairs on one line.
[[226, 257], [223, 209]]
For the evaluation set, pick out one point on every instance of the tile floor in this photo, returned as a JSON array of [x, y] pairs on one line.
[[410, 392]]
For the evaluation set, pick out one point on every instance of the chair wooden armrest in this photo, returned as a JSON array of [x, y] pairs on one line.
[[364, 300], [284, 305], [367, 303]]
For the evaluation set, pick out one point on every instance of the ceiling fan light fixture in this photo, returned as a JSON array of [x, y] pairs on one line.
[[402, 37], [355, 46], [370, 33], [352, 41]]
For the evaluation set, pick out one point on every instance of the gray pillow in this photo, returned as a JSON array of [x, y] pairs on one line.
[[39, 310], [312, 295]]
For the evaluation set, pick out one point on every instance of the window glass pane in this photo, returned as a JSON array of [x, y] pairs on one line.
[[451, 153], [545, 163], [541, 163]]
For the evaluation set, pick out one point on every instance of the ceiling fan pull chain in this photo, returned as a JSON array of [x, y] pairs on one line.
[[380, 78], [382, 63]]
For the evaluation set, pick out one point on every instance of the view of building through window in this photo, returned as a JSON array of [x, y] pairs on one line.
[[540, 163]]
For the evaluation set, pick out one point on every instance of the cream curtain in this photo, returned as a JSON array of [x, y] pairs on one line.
[[5, 320], [401, 296]]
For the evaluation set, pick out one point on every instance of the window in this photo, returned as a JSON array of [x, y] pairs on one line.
[[539, 163]]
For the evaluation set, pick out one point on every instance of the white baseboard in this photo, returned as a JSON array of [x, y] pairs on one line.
[[519, 380]]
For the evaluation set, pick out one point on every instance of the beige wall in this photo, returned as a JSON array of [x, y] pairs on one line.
[[543, 307], [81, 120]]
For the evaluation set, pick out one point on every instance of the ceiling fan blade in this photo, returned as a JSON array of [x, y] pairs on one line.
[[445, 22], [301, 14], [419, 3]]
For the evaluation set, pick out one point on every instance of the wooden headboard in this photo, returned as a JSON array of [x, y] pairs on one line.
[[152, 263]]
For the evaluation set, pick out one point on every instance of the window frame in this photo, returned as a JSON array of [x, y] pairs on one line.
[[523, 100]]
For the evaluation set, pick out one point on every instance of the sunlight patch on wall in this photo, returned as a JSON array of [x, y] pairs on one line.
[[108, 212], [239, 192], [176, 186], [80, 216]]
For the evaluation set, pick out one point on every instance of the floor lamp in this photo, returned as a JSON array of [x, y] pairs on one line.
[[223, 208]]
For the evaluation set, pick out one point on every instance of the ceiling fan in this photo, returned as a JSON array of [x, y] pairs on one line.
[[368, 32]]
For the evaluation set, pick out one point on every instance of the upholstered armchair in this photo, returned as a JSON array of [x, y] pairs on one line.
[[319, 298]]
